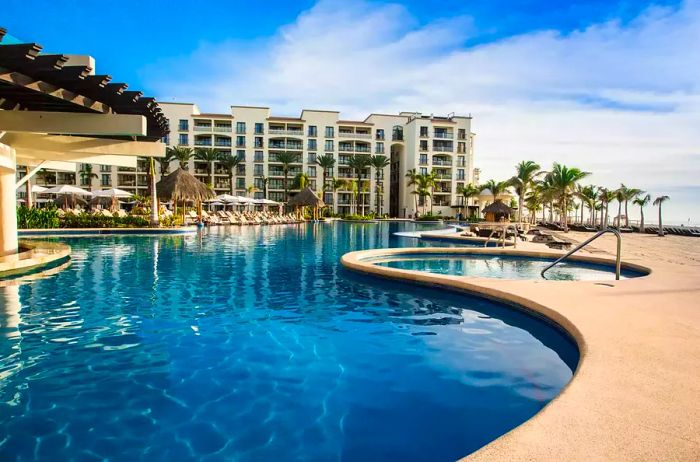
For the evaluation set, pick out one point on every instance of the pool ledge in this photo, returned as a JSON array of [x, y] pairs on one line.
[[32, 257], [91, 232], [636, 392]]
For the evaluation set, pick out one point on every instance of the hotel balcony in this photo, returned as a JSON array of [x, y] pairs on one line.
[[443, 176], [442, 161], [281, 145], [443, 148], [223, 128], [202, 142], [360, 136], [284, 131], [202, 128], [443, 134], [223, 143]]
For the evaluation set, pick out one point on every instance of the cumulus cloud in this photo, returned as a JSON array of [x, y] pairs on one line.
[[619, 99]]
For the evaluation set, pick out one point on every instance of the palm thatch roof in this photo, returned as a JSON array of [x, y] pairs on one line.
[[306, 198], [181, 185], [498, 207]]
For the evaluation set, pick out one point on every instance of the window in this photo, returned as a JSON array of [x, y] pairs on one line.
[[105, 168], [380, 133], [329, 145], [311, 171], [423, 145], [423, 171], [85, 181], [166, 139], [240, 169], [312, 158], [240, 127], [379, 148], [312, 145], [330, 132], [258, 156], [460, 161], [460, 174], [258, 142], [312, 130], [241, 155], [462, 134], [183, 139], [258, 170], [106, 180], [259, 194], [183, 125], [240, 141], [462, 147], [240, 183], [259, 128], [424, 131], [423, 159]]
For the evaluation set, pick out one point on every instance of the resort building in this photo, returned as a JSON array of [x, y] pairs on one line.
[[443, 145]]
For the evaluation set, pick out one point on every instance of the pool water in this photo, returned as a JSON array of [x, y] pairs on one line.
[[254, 344], [506, 267]]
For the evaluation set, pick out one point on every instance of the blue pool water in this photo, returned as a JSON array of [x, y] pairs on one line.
[[505, 267], [254, 344]]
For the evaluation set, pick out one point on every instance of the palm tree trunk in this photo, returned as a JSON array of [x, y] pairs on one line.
[[231, 181], [520, 208], [154, 198], [619, 214], [641, 221], [661, 225], [564, 214], [627, 218]]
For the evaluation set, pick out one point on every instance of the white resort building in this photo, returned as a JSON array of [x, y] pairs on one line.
[[444, 145]]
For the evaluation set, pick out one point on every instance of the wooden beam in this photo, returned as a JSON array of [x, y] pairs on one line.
[[73, 123], [80, 145]]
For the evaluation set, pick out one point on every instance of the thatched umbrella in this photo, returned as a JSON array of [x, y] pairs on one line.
[[182, 186], [307, 198], [497, 210]]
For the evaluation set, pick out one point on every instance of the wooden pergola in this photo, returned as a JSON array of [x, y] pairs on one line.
[[55, 112]]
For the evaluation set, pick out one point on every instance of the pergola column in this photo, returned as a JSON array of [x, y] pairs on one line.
[[8, 201]]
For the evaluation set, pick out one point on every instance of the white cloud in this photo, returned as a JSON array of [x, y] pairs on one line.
[[620, 100]]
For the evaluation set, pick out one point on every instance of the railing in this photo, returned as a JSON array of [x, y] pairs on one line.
[[443, 148], [504, 228], [618, 259], [226, 129], [443, 135], [202, 142], [279, 131], [364, 136], [202, 128], [442, 162]]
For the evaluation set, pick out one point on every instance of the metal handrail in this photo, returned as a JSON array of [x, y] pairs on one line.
[[618, 261], [503, 238]]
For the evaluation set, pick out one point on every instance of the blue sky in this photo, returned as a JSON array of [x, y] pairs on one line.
[[612, 87]]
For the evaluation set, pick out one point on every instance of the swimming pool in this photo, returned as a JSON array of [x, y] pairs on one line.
[[253, 343], [504, 267]]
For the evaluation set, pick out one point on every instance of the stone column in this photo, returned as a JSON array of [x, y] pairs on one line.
[[8, 201]]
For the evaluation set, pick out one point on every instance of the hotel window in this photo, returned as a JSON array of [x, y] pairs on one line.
[[380, 133], [424, 131], [329, 145], [240, 127], [330, 132], [240, 141], [166, 139], [312, 158], [240, 169], [259, 195], [258, 142], [311, 171], [183, 139], [460, 161], [423, 171], [183, 125], [241, 155], [240, 183], [258, 156], [423, 145], [105, 168], [379, 148], [106, 180], [312, 145], [460, 174], [258, 170], [461, 134], [462, 147], [423, 159], [259, 128], [312, 130]]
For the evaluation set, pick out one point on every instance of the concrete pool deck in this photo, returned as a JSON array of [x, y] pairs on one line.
[[635, 395]]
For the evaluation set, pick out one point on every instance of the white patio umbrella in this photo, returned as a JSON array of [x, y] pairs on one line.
[[36, 189], [226, 198], [66, 189], [113, 192]]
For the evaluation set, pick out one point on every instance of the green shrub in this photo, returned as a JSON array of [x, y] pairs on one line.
[[86, 220], [359, 217], [430, 217], [33, 218]]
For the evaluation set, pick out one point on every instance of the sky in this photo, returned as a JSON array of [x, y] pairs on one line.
[[611, 87]]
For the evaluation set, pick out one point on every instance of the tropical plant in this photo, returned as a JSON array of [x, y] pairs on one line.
[[605, 196], [35, 218], [182, 154], [526, 173], [286, 158], [533, 202], [629, 194], [301, 180], [335, 185], [86, 175], [589, 196], [563, 181], [411, 176], [326, 162], [230, 162], [208, 155], [467, 192], [359, 163], [642, 202], [496, 187], [164, 162], [379, 163], [658, 201], [264, 181], [251, 189]]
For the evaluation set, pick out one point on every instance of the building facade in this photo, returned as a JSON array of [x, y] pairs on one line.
[[411, 141]]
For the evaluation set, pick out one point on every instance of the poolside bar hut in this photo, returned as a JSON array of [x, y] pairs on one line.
[[497, 211], [56, 112], [181, 186], [307, 198]]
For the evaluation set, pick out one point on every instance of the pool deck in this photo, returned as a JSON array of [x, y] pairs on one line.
[[91, 232], [635, 395], [33, 256]]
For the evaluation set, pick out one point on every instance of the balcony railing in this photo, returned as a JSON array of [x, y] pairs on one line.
[[293, 146], [223, 128], [280, 131], [443, 148], [202, 128], [223, 144], [202, 142], [442, 162], [443, 176], [273, 158], [444, 135], [361, 136]]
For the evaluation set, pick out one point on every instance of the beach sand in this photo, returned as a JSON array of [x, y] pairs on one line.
[[678, 250]]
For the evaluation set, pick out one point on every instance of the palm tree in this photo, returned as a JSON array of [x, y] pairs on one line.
[[424, 185], [264, 181], [165, 162], [359, 162], [286, 159], [533, 202], [86, 175], [606, 196], [230, 162], [642, 202], [588, 195], [523, 180], [301, 180], [629, 194], [326, 162], [379, 163], [467, 192], [411, 175], [563, 181], [182, 154], [496, 187], [658, 201], [250, 190], [208, 155], [335, 185]]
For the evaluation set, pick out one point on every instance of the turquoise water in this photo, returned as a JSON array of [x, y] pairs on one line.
[[254, 344], [506, 267]]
